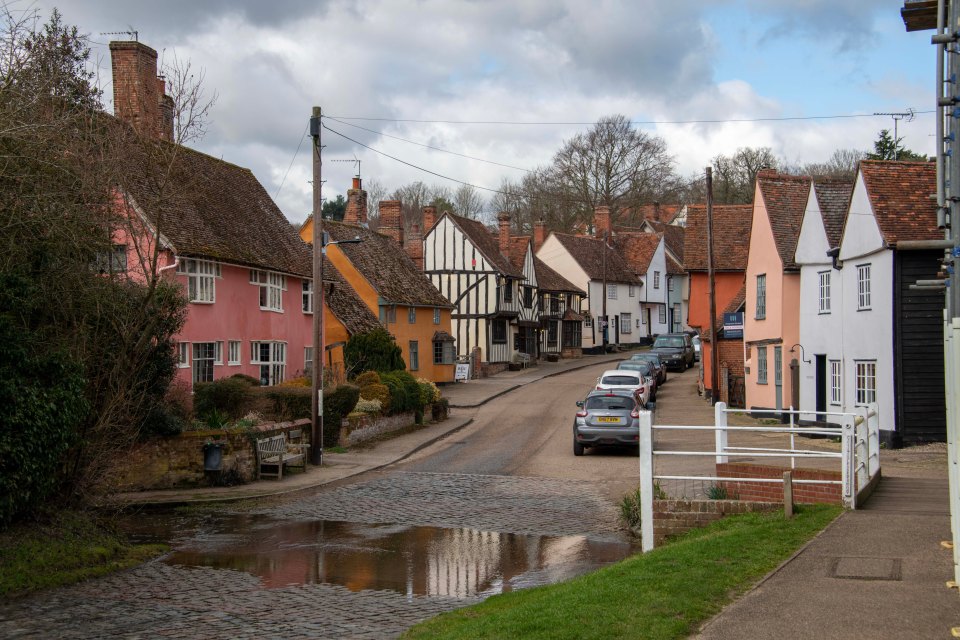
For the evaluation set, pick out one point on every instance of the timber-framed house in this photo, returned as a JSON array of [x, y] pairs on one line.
[[465, 261]]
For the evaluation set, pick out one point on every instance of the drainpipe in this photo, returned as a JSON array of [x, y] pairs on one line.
[[176, 263]]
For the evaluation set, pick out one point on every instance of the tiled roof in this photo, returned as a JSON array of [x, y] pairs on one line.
[[589, 254], [731, 237], [674, 268], [517, 250], [345, 303], [386, 266], [550, 280], [785, 198], [647, 212], [673, 237], [638, 249], [213, 209], [833, 198], [486, 243], [900, 195], [735, 305]]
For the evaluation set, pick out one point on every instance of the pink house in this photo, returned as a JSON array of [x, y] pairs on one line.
[[244, 269], [772, 313]]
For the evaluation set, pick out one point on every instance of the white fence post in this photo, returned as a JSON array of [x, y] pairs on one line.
[[847, 466], [720, 421], [646, 481], [951, 353], [793, 442]]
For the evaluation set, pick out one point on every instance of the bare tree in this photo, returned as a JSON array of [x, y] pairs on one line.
[[191, 107], [376, 191], [468, 202], [841, 164], [734, 176]]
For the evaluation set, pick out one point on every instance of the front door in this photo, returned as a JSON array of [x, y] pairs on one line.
[[821, 388], [778, 375]]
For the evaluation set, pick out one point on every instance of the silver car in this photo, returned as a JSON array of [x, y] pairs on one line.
[[606, 418]]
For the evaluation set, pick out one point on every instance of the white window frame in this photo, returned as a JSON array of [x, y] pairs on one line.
[[307, 359], [271, 285], [411, 315], [656, 279], [663, 313], [436, 315], [761, 365], [233, 352], [824, 283], [183, 355], [631, 291], [669, 283], [836, 381], [201, 279], [626, 323], [761, 310], [306, 292], [201, 356], [866, 382], [273, 370], [611, 292], [218, 353], [863, 287]]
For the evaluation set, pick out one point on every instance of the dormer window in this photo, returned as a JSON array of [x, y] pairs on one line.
[[201, 279]]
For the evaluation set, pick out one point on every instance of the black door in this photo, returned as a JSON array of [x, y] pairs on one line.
[[821, 387]]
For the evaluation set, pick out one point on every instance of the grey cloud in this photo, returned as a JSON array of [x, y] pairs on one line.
[[848, 25]]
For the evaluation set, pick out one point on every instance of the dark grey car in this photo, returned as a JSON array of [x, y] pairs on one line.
[[675, 349], [657, 362], [606, 418]]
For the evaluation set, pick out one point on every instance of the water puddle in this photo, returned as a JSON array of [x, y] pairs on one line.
[[415, 561]]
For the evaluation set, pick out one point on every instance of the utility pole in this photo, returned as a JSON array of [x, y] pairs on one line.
[[714, 356], [316, 405], [603, 293]]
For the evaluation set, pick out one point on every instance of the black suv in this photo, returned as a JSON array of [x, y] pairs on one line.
[[675, 350]]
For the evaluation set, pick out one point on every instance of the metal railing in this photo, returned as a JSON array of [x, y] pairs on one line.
[[859, 454]]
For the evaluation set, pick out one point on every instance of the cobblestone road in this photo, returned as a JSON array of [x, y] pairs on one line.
[[160, 600]]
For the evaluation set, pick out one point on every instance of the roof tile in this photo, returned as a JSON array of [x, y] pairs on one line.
[[731, 237], [589, 254], [900, 195], [833, 198], [785, 198]]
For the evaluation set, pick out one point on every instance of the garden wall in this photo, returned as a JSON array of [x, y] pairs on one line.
[[672, 518], [773, 491]]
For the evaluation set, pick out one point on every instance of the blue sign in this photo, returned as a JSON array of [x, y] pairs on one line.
[[733, 325]]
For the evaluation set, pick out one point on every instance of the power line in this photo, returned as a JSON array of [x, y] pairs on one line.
[[427, 146], [292, 160], [632, 122]]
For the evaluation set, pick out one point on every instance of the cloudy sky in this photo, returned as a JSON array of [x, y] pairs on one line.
[[506, 82]]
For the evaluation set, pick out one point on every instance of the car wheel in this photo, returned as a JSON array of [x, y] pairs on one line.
[[577, 448]]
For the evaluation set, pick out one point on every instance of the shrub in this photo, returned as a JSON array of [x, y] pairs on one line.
[[368, 406], [378, 392], [337, 404], [367, 377], [374, 350], [301, 381], [172, 415], [289, 403], [404, 391], [229, 396], [255, 382], [429, 393]]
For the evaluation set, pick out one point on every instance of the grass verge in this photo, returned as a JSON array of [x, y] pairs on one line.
[[61, 549], [667, 593]]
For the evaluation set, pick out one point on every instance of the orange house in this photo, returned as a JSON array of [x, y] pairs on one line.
[[731, 243], [388, 282]]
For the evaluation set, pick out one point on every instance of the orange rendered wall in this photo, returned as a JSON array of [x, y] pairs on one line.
[[727, 285]]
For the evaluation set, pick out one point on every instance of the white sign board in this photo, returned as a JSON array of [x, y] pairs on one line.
[[462, 372]]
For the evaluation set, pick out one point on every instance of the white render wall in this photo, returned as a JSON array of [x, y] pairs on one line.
[[820, 333]]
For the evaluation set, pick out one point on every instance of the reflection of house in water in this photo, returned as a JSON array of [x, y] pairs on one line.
[[415, 561]]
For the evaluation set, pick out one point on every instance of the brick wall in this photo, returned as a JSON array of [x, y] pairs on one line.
[[773, 491], [672, 518], [730, 352], [136, 92]]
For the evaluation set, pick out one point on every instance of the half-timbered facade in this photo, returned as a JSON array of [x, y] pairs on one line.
[[520, 252], [464, 262], [560, 320]]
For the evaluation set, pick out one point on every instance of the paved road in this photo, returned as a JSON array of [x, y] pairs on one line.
[[512, 471]]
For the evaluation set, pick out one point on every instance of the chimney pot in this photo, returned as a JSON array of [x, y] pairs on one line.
[[429, 218], [503, 218], [539, 234]]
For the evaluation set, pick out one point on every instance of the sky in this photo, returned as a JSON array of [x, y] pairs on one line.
[[402, 75]]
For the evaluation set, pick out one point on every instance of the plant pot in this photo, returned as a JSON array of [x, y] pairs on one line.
[[213, 456]]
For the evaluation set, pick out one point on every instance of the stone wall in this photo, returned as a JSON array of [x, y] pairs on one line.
[[773, 491], [357, 429], [672, 518]]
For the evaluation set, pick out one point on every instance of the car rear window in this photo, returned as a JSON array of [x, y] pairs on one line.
[[609, 403], [628, 380], [668, 341]]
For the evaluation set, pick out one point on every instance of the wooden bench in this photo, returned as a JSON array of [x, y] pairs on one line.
[[278, 452]]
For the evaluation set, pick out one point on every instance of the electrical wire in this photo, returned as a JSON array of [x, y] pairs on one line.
[[292, 160], [427, 146], [631, 122]]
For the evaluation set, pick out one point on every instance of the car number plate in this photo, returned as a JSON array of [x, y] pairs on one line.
[[608, 419]]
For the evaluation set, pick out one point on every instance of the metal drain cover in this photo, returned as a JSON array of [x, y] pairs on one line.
[[856, 568]]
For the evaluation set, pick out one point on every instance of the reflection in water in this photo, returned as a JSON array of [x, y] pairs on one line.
[[422, 561]]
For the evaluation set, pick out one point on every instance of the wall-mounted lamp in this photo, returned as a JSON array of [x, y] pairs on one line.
[[803, 356]]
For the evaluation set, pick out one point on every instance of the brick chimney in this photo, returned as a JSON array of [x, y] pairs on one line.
[[601, 220], [356, 212], [391, 220], [414, 245], [429, 218], [656, 212], [503, 219], [539, 234], [138, 94]]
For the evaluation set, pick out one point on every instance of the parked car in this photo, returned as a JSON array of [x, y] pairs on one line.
[[655, 359], [609, 417], [624, 380], [675, 349], [649, 371], [696, 347]]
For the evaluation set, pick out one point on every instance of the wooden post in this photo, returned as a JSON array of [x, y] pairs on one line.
[[788, 494]]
